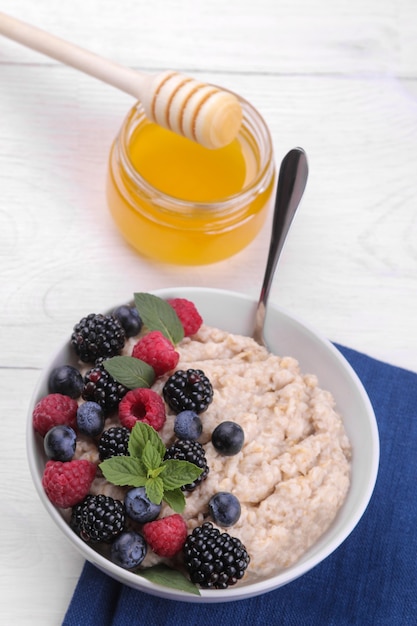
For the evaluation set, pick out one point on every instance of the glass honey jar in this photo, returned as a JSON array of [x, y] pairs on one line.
[[177, 202]]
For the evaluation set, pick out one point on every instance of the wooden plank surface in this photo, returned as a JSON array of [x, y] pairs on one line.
[[339, 79]]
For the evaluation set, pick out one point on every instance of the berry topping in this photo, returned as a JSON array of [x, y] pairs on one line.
[[130, 319], [228, 438], [98, 518], [114, 442], [59, 443], [97, 336], [166, 536], [66, 484], [190, 318], [139, 507], [90, 419], [53, 410], [128, 549], [143, 405], [214, 560], [101, 387], [157, 351], [188, 390], [188, 425], [193, 452], [67, 380], [224, 508]]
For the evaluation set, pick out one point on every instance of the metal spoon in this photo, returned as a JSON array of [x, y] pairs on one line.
[[292, 180]]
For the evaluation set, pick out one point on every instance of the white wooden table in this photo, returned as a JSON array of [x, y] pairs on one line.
[[338, 79]]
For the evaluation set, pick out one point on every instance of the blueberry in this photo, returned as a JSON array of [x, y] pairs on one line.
[[139, 507], [67, 380], [129, 318], [128, 549], [59, 443], [224, 508], [188, 425], [228, 438], [90, 419]]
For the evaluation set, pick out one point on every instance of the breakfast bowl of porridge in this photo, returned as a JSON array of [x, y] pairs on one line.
[[187, 461]]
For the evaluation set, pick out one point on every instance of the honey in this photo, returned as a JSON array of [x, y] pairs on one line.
[[184, 169], [178, 202]]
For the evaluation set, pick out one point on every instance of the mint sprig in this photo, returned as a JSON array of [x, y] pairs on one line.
[[145, 467], [158, 314], [130, 372]]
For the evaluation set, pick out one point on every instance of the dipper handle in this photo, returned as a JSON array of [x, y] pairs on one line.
[[201, 112]]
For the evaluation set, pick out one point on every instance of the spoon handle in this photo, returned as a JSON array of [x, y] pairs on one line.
[[292, 180]]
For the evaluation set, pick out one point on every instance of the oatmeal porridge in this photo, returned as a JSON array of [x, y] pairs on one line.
[[293, 472]]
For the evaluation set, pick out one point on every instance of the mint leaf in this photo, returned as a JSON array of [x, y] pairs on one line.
[[124, 470], [130, 372], [168, 577], [141, 433], [175, 499], [145, 467], [151, 458], [155, 489], [158, 314], [179, 473]]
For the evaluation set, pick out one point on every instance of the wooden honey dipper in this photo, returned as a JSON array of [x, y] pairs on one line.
[[201, 112]]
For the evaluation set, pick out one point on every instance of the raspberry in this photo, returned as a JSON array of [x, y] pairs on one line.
[[66, 484], [157, 351], [166, 536], [53, 410], [143, 405], [190, 318]]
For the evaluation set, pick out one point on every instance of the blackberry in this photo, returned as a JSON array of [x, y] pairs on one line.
[[193, 452], [101, 387], [76, 516], [113, 442], [188, 390], [214, 560], [98, 336], [98, 518]]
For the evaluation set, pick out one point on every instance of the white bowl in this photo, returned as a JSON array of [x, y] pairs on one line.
[[286, 335]]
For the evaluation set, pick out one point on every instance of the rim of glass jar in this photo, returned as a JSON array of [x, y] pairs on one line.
[[256, 133]]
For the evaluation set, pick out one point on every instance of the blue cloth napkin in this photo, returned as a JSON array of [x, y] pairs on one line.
[[370, 579]]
